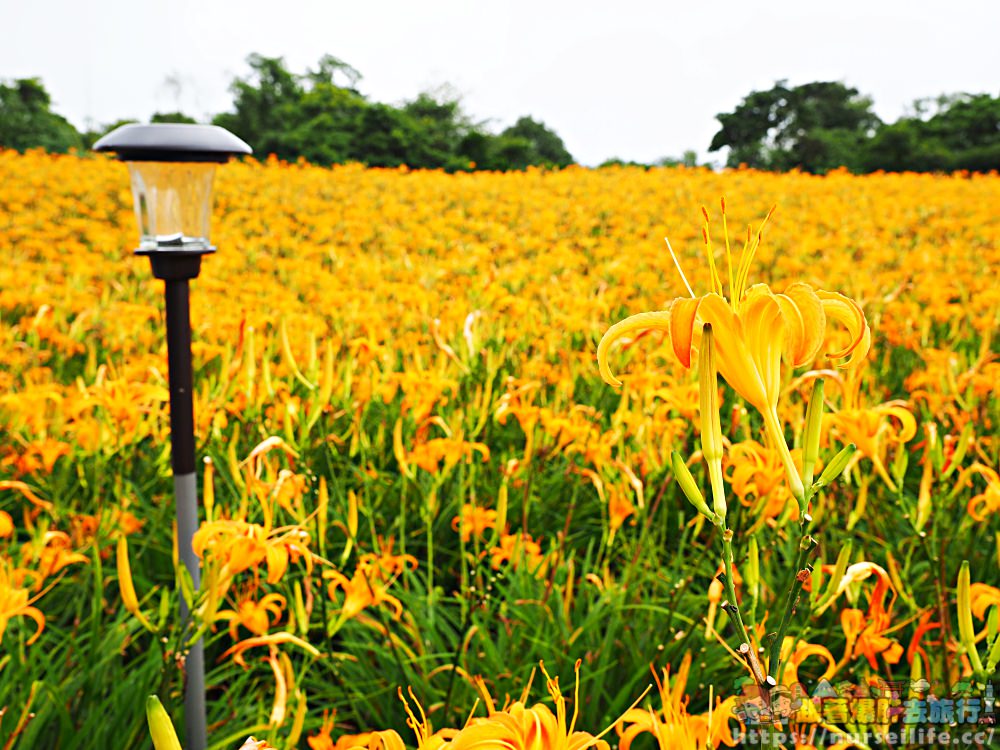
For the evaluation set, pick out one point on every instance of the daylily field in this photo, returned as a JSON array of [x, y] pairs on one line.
[[420, 496]]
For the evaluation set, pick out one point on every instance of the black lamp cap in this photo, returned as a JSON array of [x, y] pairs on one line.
[[173, 142]]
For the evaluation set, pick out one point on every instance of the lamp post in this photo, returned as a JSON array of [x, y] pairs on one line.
[[172, 167]]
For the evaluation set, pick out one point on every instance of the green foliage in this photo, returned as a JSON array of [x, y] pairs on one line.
[[27, 121], [173, 117], [90, 137], [814, 127], [544, 146], [964, 133], [323, 118], [824, 125]]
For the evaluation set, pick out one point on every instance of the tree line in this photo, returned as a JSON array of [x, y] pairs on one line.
[[322, 117], [824, 125], [319, 116]]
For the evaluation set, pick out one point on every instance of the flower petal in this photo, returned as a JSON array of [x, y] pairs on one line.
[[683, 312], [805, 322], [658, 320], [845, 310]]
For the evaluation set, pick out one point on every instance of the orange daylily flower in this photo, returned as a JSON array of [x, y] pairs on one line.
[[517, 727], [428, 456], [239, 546], [866, 631], [916, 642], [983, 596], [987, 501], [37, 455], [672, 726], [517, 548], [754, 329], [360, 592], [427, 738], [257, 616], [368, 586], [50, 553], [794, 651], [16, 602], [873, 430], [25, 490], [324, 741], [474, 521], [756, 476], [272, 639]]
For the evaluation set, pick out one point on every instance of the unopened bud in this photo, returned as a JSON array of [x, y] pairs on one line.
[[966, 631], [711, 427], [683, 476], [125, 586], [161, 729], [836, 466], [751, 575], [814, 421]]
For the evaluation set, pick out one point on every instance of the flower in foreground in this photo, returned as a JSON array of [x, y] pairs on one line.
[[673, 727], [754, 329], [16, 602], [535, 728]]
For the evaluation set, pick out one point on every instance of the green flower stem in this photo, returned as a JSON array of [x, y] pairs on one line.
[[727, 558], [773, 428], [806, 544]]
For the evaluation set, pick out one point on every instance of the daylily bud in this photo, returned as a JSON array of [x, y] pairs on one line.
[[715, 591], [301, 616], [711, 427], [161, 729], [751, 575], [899, 465], [836, 466], [814, 420], [838, 575], [125, 586], [352, 526], [916, 674], [502, 504], [208, 489], [965, 441], [322, 511], [993, 657], [398, 450], [966, 632], [683, 476], [924, 495]]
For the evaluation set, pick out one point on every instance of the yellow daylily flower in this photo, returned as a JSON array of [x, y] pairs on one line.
[[673, 727], [753, 329], [16, 601]]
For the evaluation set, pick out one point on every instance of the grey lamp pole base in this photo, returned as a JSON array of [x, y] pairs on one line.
[[177, 267]]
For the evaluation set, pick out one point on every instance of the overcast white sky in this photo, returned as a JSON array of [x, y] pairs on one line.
[[637, 80]]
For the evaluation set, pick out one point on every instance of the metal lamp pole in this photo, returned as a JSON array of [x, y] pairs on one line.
[[176, 268], [172, 168]]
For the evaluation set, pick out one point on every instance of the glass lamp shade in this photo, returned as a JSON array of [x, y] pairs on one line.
[[173, 203], [172, 166]]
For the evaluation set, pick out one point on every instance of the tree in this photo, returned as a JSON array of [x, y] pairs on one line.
[[93, 134], [545, 147], [814, 127], [262, 105], [437, 130], [962, 133], [27, 121], [173, 117]]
